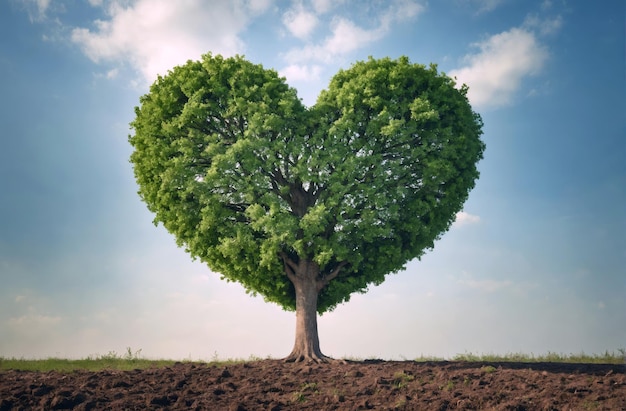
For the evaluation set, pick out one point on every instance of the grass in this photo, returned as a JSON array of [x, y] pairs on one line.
[[133, 360], [113, 361], [401, 379], [607, 357]]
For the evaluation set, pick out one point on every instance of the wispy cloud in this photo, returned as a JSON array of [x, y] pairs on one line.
[[484, 6], [546, 4], [463, 218], [36, 8], [258, 6], [401, 10], [323, 6], [346, 36], [495, 73], [543, 26], [155, 35]]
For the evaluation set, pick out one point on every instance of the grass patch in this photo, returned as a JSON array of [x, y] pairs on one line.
[[110, 361], [130, 360], [607, 357], [429, 358]]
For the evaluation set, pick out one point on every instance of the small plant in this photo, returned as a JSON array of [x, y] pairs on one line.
[[402, 379], [488, 369], [298, 397], [449, 386], [132, 356], [110, 356]]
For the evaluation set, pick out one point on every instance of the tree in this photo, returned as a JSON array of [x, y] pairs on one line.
[[305, 206]]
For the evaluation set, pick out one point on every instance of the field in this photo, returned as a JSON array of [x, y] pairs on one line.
[[466, 382]]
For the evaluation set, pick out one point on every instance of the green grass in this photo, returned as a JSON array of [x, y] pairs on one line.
[[133, 360], [113, 361], [110, 361], [607, 357]]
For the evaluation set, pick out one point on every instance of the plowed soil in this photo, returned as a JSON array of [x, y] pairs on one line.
[[274, 385]]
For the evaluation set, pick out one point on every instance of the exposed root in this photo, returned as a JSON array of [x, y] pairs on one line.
[[308, 358]]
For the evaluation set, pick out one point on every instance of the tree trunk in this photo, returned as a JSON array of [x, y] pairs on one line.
[[305, 278]]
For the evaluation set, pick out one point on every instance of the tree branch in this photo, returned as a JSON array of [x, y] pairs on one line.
[[290, 266], [323, 282]]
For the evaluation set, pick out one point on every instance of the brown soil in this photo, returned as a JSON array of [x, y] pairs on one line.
[[275, 385]]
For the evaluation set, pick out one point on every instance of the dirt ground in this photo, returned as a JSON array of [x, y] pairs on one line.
[[274, 385]]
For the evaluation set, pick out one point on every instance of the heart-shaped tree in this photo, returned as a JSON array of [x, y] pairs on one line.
[[305, 206]]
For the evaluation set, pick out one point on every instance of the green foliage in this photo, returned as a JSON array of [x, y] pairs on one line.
[[244, 175]]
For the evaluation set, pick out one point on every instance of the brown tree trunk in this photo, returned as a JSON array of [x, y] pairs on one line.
[[308, 281], [305, 278]]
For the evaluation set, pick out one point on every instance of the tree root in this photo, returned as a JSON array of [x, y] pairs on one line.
[[308, 358]]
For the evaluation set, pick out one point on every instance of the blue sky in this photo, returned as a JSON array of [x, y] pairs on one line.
[[534, 264]]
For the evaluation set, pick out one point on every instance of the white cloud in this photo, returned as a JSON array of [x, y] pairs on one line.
[[323, 6], [112, 73], [300, 22], [36, 8], [483, 6], [401, 10], [296, 72], [495, 73], [488, 5], [346, 36], [19, 298], [155, 35], [543, 26], [259, 6], [463, 218]]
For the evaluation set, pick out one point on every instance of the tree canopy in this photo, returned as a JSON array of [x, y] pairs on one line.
[[250, 181]]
